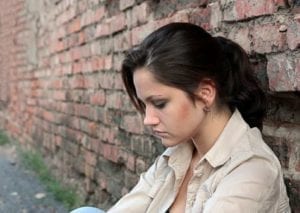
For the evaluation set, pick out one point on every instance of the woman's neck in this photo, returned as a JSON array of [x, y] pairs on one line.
[[211, 128]]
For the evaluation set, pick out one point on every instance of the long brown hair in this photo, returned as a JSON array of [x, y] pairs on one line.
[[181, 55]]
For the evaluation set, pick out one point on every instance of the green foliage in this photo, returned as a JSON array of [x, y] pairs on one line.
[[3, 138], [66, 195]]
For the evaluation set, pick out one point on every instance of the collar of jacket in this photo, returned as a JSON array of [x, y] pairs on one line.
[[180, 156]]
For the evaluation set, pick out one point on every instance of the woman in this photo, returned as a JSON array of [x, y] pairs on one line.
[[199, 95]]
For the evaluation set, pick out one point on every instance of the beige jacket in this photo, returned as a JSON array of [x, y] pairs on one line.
[[239, 173]]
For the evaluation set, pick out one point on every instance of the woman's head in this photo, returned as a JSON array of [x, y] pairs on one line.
[[183, 55]]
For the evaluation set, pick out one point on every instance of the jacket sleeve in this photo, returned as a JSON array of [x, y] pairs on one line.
[[140, 197], [254, 186]]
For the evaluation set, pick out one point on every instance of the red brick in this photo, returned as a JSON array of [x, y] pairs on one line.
[[109, 152], [90, 158], [141, 165], [125, 4], [59, 46], [128, 158], [86, 66], [107, 134], [122, 41], [139, 33], [65, 57], [93, 129], [79, 82], [293, 34], [67, 69], [117, 23], [74, 26], [99, 14], [89, 171], [66, 16], [267, 38], [114, 100], [241, 36], [81, 38], [132, 123], [215, 14], [107, 62], [76, 67], [140, 14], [201, 17], [97, 63], [117, 59], [87, 18], [49, 116], [103, 29], [245, 9], [98, 98], [75, 53], [59, 95], [282, 73]]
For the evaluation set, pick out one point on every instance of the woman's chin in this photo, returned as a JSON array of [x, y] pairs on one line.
[[168, 143]]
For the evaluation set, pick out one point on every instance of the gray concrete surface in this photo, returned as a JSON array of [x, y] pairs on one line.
[[20, 189]]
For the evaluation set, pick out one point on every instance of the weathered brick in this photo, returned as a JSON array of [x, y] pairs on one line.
[[201, 17], [114, 100], [241, 36], [90, 158], [126, 3], [103, 29], [117, 23], [268, 38], [139, 33], [130, 179], [215, 14], [59, 95], [107, 134], [140, 14], [87, 18], [99, 14], [293, 33], [74, 26], [98, 98], [141, 165], [110, 152], [122, 41], [132, 123], [245, 9], [282, 73]]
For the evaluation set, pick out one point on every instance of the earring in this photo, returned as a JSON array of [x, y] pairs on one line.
[[206, 109]]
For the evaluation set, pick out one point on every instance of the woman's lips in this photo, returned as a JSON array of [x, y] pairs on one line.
[[160, 134]]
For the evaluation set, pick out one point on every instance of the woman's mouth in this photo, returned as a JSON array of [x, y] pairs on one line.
[[160, 134]]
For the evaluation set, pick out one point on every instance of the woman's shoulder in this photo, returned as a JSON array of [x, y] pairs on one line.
[[253, 147], [252, 158]]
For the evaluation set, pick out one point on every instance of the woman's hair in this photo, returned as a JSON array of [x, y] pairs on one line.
[[181, 55]]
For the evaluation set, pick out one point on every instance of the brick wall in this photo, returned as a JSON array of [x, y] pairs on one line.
[[61, 91]]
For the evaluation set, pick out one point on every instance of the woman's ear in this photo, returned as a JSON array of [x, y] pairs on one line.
[[207, 92]]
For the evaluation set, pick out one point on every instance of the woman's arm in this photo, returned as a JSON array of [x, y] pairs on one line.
[[140, 197]]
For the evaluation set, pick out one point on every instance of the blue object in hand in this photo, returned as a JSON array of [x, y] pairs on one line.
[[87, 209]]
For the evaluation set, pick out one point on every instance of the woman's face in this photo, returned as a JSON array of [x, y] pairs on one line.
[[169, 111]]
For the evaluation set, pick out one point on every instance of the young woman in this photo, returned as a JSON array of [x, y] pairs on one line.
[[199, 96]]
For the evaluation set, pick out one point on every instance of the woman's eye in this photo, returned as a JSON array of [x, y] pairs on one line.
[[159, 104]]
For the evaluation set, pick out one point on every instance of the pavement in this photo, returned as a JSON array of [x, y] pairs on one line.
[[20, 189]]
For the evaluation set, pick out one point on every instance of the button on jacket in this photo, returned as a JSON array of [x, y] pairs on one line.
[[239, 173]]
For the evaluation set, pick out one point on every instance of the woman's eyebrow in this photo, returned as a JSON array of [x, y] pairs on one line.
[[152, 97]]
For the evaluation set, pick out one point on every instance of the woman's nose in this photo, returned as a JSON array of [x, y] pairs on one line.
[[150, 118]]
